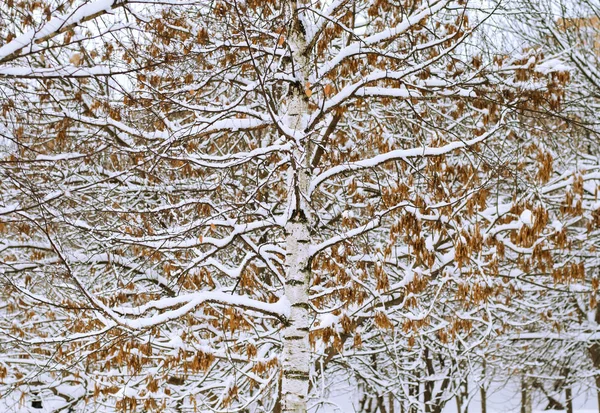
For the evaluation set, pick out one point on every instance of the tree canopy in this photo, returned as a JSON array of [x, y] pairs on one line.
[[226, 205]]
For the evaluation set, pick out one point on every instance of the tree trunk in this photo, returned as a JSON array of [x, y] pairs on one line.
[[427, 396], [296, 347], [277, 407], [414, 392], [464, 388], [595, 356], [566, 385], [462, 398], [525, 395], [598, 391], [569, 398], [483, 399], [482, 390], [381, 404]]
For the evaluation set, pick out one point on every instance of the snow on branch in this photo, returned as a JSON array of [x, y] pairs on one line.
[[56, 26], [187, 303], [399, 154]]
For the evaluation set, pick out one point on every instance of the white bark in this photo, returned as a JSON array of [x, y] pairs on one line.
[[296, 347]]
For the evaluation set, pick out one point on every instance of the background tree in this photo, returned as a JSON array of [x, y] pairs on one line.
[[562, 309]]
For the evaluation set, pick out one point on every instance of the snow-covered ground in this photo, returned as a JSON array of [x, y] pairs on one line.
[[505, 398], [500, 399]]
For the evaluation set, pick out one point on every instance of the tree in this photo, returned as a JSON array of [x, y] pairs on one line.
[[563, 314], [224, 205]]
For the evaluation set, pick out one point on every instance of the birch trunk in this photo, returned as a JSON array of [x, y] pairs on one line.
[[296, 347], [296, 350]]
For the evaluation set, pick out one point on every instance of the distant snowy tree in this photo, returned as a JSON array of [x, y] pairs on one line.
[[558, 314]]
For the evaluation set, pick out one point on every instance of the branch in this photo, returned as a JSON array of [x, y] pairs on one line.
[[58, 25], [399, 154]]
